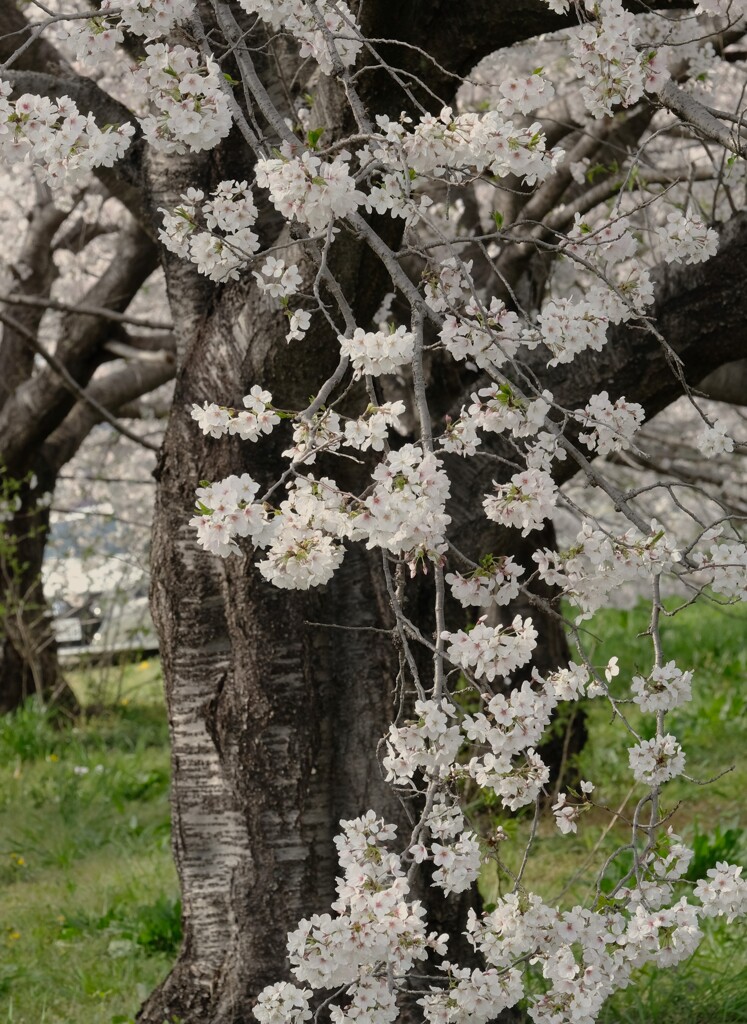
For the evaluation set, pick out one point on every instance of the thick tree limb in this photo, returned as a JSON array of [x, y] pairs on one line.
[[111, 394], [35, 272], [84, 309], [69, 382], [699, 118], [37, 407]]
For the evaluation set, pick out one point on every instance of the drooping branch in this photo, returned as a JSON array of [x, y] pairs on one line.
[[85, 309]]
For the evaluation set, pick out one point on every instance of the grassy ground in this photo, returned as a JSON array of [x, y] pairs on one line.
[[89, 916]]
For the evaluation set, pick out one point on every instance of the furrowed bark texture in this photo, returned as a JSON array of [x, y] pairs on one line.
[[273, 720]]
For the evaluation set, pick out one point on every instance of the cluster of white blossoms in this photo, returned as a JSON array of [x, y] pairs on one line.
[[475, 995], [406, 514], [301, 536], [584, 955], [686, 239], [457, 865], [605, 245], [283, 1003], [457, 145], [488, 736], [62, 143], [599, 563], [523, 95], [309, 189], [656, 760], [339, 37], [371, 430], [448, 286], [281, 281], [490, 651], [499, 407], [375, 922], [95, 36], [256, 418], [188, 109], [511, 723], [224, 248], [723, 892], [715, 440], [665, 689], [612, 426], [378, 352], [725, 568], [567, 815], [225, 511], [276, 279], [496, 581], [487, 338], [613, 69], [392, 192], [568, 327], [525, 502], [429, 745]]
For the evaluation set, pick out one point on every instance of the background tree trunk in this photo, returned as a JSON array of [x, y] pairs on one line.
[[28, 657]]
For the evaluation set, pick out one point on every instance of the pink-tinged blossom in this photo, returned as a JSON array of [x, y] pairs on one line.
[[377, 352], [308, 189], [611, 427], [665, 689], [525, 503], [656, 760]]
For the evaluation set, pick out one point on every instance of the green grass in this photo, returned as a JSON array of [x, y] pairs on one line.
[[90, 914]]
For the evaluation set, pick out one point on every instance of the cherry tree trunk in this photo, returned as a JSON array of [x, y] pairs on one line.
[[276, 698]]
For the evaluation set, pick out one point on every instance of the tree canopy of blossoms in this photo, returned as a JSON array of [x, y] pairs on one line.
[[368, 462]]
